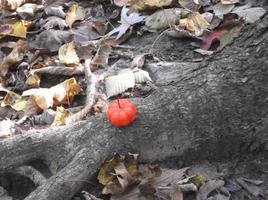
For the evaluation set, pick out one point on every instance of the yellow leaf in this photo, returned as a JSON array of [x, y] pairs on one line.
[[67, 54], [149, 4], [19, 29], [199, 20], [195, 23], [62, 93], [61, 116], [14, 100], [188, 24], [74, 13]]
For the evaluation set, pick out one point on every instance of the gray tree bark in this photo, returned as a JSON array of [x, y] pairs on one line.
[[209, 110]]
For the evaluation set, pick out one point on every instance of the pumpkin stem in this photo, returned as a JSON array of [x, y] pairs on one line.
[[118, 103]]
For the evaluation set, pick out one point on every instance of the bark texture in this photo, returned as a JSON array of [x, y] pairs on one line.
[[209, 110]]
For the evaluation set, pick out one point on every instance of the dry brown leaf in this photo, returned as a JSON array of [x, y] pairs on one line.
[[33, 81], [62, 93], [102, 55], [13, 58], [138, 61], [195, 23], [61, 116], [118, 173], [13, 4], [164, 18], [68, 55], [149, 4], [192, 5], [75, 13]]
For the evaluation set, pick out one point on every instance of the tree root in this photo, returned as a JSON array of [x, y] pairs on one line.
[[66, 182], [34, 175]]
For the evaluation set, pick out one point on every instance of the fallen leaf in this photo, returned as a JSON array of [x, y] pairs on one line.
[[52, 10], [54, 21], [12, 4], [51, 39], [207, 188], [120, 3], [195, 23], [190, 5], [5, 29], [18, 29], [62, 93], [61, 116], [28, 10], [75, 13], [33, 81], [13, 58], [102, 55], [138, 61], [164, 18], [225, 34], [149, 4], [178, 32], [127, 20], [14, 100], [153, 180], [250, 15], [107, 177], [67, 54], [122, 172], [222, 9]]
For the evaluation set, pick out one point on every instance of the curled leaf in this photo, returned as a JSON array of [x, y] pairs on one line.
[[61, 116], [67, 54], [74, 13], [62, 93]]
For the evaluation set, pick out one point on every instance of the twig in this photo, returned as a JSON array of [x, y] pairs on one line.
[[157, 38], [55, 70], [91, 92]]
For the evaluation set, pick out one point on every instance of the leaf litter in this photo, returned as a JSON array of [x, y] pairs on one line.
[[40, 40]]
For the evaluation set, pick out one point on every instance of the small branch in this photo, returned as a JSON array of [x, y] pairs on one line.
[[34, 175], [91, 92], [55, 70]]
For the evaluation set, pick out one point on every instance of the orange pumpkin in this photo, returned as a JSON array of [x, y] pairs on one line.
[[121, 112]]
